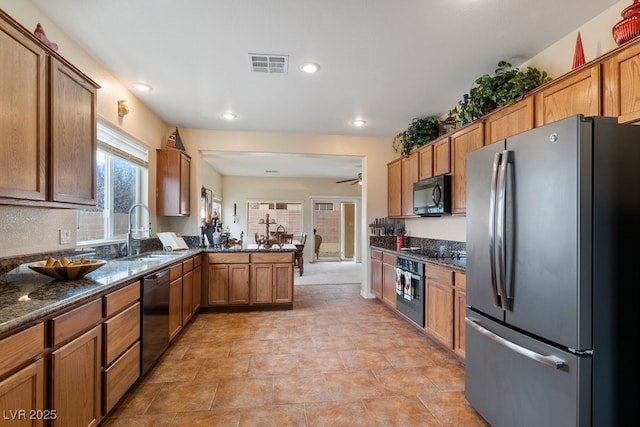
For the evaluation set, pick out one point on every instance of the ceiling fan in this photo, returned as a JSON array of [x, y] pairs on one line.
[[353, 181]]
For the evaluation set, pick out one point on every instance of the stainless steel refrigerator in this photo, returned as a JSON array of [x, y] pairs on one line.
[[552, 275]]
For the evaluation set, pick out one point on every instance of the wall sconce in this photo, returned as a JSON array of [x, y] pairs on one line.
[[123, 107]]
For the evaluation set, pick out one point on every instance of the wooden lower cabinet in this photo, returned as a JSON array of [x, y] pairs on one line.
[[249, 278], [439, 304], [22, 389], [187, 297], [460, 305], [75, 371], [22, 392], [389, 279], [376, 273], [120, 376], [272, 278], [121, 346], [238, 284], [197, 282], [227, 279], [175, 307]]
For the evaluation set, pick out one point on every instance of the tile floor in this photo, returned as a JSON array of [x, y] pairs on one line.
[[336, 359]]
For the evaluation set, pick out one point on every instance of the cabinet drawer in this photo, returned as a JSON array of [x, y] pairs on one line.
[[389, 259], [228, 258], [272, 257], [18, 348], [75, 321], [120, 376], [197, 261], [460, 280], [120, 332], [175, 271], [439, 274], [376, 254], [117, 300], [187, 266]]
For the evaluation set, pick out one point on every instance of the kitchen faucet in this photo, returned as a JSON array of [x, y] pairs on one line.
[[130, 232]]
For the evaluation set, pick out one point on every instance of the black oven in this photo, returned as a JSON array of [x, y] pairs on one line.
[[410, 289]]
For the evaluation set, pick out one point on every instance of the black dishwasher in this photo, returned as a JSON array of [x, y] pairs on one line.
[[155, 318]]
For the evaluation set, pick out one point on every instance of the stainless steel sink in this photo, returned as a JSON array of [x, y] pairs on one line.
[[155, 257]]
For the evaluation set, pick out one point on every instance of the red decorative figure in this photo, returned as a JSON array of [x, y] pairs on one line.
[[578, 54], [39, 33]]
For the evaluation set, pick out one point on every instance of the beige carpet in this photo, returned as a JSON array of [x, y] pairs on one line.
[[329, 273]]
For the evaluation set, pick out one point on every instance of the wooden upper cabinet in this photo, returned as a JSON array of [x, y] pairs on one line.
[[410, 174], [173, 183], [425, 162], [442, 157], [48, 123], [394, 188], [467, 139], [23, 101], [435, 158], [509, 121], [577, 93], [621, 85], [73, 136]]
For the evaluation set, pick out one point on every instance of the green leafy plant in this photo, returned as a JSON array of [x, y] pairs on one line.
[[419, 132], [506, 86]]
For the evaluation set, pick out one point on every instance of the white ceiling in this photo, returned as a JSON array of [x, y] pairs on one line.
[[383, 61]]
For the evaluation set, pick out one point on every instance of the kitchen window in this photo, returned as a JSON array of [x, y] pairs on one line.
[[121, 182]]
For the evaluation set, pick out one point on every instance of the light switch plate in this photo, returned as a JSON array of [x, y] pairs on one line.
[[65, 237]]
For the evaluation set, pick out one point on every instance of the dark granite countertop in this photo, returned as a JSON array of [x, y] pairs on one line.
[[26, 296], [421, 256]]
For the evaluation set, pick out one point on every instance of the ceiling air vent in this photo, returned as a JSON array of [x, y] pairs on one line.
[[272, 64]]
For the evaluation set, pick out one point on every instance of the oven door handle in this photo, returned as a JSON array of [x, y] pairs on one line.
[[413, 275]]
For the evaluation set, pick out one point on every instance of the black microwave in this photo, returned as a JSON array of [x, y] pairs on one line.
[[432, 196]]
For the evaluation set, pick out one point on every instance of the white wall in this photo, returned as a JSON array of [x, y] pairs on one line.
[[29, 230], [32, 230], [556, 60], [240, 190]]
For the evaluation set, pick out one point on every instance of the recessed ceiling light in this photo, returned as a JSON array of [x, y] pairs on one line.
[[143, 87], [309, 67], [229, 116], [358, 122]]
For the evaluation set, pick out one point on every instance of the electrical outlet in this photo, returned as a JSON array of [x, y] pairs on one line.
[[65, 237]]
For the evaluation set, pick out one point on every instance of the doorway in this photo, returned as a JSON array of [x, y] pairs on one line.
[[336, 229]]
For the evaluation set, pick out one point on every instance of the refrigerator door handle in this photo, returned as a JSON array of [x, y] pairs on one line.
[[492, 228], [551, 361], [500, 228]]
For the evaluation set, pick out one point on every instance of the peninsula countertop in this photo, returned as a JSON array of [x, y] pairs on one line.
[[26, 296]]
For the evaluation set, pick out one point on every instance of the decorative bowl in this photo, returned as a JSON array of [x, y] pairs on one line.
[[72, 271], [626, 29]]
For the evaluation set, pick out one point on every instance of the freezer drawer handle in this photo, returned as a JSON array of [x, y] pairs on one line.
[[551, 361]]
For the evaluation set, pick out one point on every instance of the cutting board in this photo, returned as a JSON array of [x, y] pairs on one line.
[[171, 239]]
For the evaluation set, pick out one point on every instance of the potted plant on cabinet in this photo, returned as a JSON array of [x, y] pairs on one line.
[[506, 86], [419, 132]]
